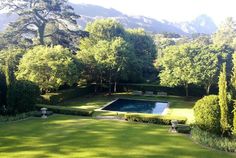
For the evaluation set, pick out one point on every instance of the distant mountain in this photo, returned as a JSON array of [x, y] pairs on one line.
[[202, 24]]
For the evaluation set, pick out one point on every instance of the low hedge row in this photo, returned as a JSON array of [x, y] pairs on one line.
[[60, 96], [213, 141], [156, 119], [16, 117], [66, 110], [195, 91]]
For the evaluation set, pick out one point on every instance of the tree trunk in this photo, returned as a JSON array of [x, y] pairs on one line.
[[41, 31], [110, 83], [101, 83], [208, 87], [186, 90], [115, 87]]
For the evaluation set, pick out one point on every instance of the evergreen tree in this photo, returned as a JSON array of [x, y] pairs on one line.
[[224, 121], [10, 79]]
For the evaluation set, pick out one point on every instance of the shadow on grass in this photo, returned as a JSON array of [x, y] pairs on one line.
[[71, 136]]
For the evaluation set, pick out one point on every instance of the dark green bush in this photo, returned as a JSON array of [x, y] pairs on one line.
[[3, 90], [24, 97], [66, 110], [183, 129], [156, 119], [213, 141], [60, 96], [179, 91], [207, 114], [16, 117]]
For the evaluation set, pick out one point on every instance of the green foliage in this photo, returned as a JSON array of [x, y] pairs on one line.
[[145, 51], [25, 95], [34, 17], [207, 114], [3, 91], [156, 119], [223, 101], [226, 33], [49, 67], [106, 55], [105, 29], [66, 110], [213, 141], [178, 66], [234, 119], [16, 117], [233, 77], [183, 128], [206, 66], [63, 95]]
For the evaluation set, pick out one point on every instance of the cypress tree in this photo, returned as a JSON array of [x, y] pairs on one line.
[[10, 79], [224, 120], [233, 92]]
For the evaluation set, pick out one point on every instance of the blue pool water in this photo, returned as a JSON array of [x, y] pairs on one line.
[[137, 106]]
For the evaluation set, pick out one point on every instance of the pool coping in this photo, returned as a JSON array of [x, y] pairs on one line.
[[122, 112]]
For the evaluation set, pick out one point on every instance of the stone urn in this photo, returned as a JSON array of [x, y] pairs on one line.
[[174, 124], [44, 112]]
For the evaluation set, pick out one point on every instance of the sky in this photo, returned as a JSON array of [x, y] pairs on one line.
[[172, 10]]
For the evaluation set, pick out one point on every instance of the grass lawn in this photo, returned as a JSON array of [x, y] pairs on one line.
[[179, 106], [73, 136]]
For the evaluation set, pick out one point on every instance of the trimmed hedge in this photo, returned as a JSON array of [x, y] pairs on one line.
[[156, 119], [60, 96], [213, 141], [66, 110], [183, 129], [178, 90], [207, 113], [16, 117]]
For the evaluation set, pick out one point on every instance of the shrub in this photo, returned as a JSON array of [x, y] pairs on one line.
[[60, 96], [24, 97], [156, 119], [16, 117], [183, 129], [207, 113], [213, 141], [179, 91], [66, 110]]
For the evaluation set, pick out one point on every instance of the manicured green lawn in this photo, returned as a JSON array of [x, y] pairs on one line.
[[73, 136], [179, 106]]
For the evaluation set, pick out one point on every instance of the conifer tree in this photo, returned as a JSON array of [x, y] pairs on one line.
[[224, 121]]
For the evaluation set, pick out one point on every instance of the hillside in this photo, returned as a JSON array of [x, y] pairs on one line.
[[202, 24]]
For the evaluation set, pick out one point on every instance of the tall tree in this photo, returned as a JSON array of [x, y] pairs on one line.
[[233, 91], [106, 55], [226, 33], [206, 66], [49, 67], [224, 120], [35, 15], [145, 50], [177, 66]]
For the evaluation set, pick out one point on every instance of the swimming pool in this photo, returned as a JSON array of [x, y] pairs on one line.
[[137, 106]]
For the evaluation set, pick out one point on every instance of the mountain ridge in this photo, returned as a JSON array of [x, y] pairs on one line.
[[202, 24]]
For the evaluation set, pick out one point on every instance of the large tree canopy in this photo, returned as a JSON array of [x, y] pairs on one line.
[[49, 67], [178, 66], [35, 16]]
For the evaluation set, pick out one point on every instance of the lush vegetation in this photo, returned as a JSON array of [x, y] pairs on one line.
[[213, 141], [72, 136], [207, 113], [45, 53]]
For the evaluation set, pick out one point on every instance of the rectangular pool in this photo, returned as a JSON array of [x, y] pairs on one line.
[[137, 106]]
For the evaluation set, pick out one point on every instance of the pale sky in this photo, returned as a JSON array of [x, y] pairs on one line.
[[172, 10]]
